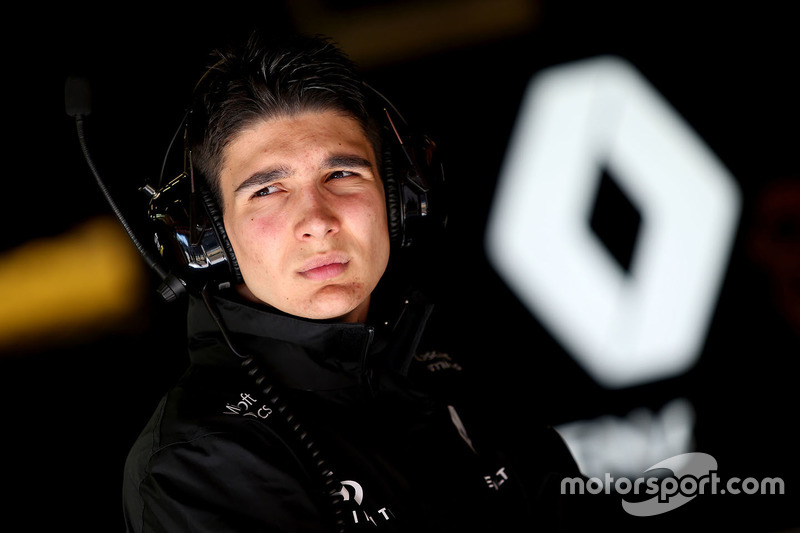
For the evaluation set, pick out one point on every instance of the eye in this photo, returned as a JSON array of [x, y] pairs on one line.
[[266, 191], [340, 174]]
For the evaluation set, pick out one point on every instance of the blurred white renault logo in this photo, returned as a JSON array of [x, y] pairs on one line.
[[624, 327]]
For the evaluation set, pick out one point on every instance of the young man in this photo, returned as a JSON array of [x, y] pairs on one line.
[[309, 404]]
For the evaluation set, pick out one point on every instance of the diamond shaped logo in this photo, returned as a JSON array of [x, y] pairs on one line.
[[625, 324]]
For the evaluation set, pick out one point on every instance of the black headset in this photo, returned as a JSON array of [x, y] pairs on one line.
[[189, 232]]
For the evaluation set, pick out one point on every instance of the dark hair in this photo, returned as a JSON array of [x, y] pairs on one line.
[[266, 78]]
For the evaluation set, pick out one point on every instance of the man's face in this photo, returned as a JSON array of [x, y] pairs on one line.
[[305, 212]]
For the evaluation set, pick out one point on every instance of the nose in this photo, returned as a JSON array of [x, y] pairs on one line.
[[317, 218]]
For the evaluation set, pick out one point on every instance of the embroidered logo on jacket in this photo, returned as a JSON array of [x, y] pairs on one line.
[[495, 480], [437, 361], [247, 406], [353, 492]]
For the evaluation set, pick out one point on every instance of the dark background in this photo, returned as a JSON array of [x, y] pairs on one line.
[[73, 403]]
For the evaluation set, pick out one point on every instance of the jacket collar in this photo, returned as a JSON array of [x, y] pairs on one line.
[[306, 354]]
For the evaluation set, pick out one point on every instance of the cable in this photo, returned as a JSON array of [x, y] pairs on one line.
[[149, 259], [171, 286], [330, 484]]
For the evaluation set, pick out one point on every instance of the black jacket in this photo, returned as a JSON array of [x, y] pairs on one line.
[[254, 440]]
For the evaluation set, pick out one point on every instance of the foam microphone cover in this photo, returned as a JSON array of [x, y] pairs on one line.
[[77, 97]]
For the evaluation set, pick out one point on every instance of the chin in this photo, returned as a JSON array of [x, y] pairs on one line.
[[338, 310], [335, 303], [348, 314]]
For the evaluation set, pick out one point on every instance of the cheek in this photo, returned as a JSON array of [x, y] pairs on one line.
[[374, 232], [253, 240], [371, 207], [368, 220]]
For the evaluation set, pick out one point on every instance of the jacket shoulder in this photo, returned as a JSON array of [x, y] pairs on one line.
[[212, 455]]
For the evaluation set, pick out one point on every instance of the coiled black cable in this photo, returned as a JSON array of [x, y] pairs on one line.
[[330, 485]]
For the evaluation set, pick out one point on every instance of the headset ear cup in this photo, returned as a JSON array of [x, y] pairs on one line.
[[215, 216], [394, 208]]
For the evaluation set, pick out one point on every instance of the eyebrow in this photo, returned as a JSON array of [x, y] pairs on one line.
[[264, 178], [344, 160], [261, 179]]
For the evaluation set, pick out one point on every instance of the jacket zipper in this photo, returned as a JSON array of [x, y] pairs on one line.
[[367, 372]]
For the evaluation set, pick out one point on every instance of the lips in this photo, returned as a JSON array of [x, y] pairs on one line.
[[323, 267]]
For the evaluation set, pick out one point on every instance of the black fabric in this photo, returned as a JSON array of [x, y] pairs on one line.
[[218, 456]]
